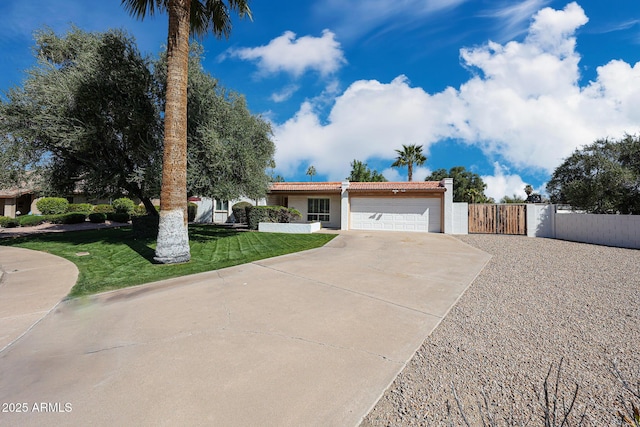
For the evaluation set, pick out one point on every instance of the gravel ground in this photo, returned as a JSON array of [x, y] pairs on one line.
[[538, 303]]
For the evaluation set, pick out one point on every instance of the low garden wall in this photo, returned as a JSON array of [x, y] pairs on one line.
[[290, 227]]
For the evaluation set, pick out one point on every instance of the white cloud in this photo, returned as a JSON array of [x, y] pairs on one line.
[[354, 18], [513, 17], [286, 93], [524, 107], [502, 183], [393, 174], [295, 55]]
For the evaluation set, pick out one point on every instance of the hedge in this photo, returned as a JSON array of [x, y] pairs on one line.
[[119, 217], [97, 217], [52, 205], [31, 220], [7, 222], [74, 218], [192, 210], [240, 212], [123, 205], [84, 208], [258, 214], [106, 209]]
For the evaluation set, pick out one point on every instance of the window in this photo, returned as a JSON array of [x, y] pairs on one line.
[[222, 205], [318, 210]]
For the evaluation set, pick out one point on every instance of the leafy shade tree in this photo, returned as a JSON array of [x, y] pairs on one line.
[[408, 156], [228, 149], [513, 199], [311, 171], [603, 177], [467, 186], [360, 172], [85, 118], [185, 17]]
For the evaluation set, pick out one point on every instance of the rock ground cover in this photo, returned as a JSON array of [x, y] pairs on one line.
[[539, 303]]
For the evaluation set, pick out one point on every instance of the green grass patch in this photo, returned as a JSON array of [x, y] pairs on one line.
[[118, 259]]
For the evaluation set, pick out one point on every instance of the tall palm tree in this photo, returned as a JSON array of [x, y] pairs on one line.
[[311, 171], [408, 156], [186, 17]]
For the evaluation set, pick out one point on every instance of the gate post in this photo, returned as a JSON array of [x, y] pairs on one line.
[[447, 213]]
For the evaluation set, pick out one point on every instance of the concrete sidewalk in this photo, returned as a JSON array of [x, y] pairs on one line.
[[31, 284], [312, 338]]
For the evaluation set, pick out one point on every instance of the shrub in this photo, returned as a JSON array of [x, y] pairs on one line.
[[74, 218], [192, 210], [145, 225], [31, 220], [123, 205], [55, 219], [294, 214], [7, 222], [257, 214], [119, 217], [84, 208], [103, 209], [240, 212], [52, 205], [97, 217], [139, 210]]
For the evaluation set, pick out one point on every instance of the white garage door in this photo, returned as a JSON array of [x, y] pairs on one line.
[[399, 214]]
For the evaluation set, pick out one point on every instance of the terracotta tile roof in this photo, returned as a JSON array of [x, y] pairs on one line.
[[325, 187], [401, 186], [336, 187]]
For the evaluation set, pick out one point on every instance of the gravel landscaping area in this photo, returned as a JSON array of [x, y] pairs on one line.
[[538, 303]]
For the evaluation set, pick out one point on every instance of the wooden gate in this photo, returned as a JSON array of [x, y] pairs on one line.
[[497, 219]]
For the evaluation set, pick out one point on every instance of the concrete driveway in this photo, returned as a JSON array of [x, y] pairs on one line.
[[312, 338]]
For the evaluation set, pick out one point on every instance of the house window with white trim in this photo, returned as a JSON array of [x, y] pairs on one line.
[[318, 210]]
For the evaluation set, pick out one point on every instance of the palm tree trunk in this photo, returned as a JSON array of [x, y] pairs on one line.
[[173, 239], [410, 171]]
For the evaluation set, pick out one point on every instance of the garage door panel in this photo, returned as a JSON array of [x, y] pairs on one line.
[[397, 214]]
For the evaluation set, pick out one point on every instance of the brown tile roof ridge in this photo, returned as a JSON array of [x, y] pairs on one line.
[[357, 186], [405, 185], [306, 186]]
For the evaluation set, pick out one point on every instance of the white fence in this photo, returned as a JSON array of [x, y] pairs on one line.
[[612, 230], [546, 221]]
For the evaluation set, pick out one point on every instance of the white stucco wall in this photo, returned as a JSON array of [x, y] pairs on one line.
[[289, 228], [460, 218], [541, 220], [611, 230]]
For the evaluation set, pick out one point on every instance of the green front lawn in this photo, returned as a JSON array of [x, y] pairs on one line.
[[117, 259]]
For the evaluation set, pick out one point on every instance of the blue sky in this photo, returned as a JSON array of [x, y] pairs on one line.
[[505, 88]]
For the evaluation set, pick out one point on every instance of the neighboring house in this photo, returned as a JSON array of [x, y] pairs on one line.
[[401, 206], [16, 201]]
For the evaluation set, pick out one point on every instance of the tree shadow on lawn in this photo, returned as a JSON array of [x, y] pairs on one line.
[[142, 245], [205, 233]]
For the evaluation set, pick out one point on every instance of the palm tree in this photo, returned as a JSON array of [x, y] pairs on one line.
[[408, 156], [311, 171], [528, 189], [186, 17]]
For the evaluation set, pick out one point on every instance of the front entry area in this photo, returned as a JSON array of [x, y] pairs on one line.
[[396, 214]]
